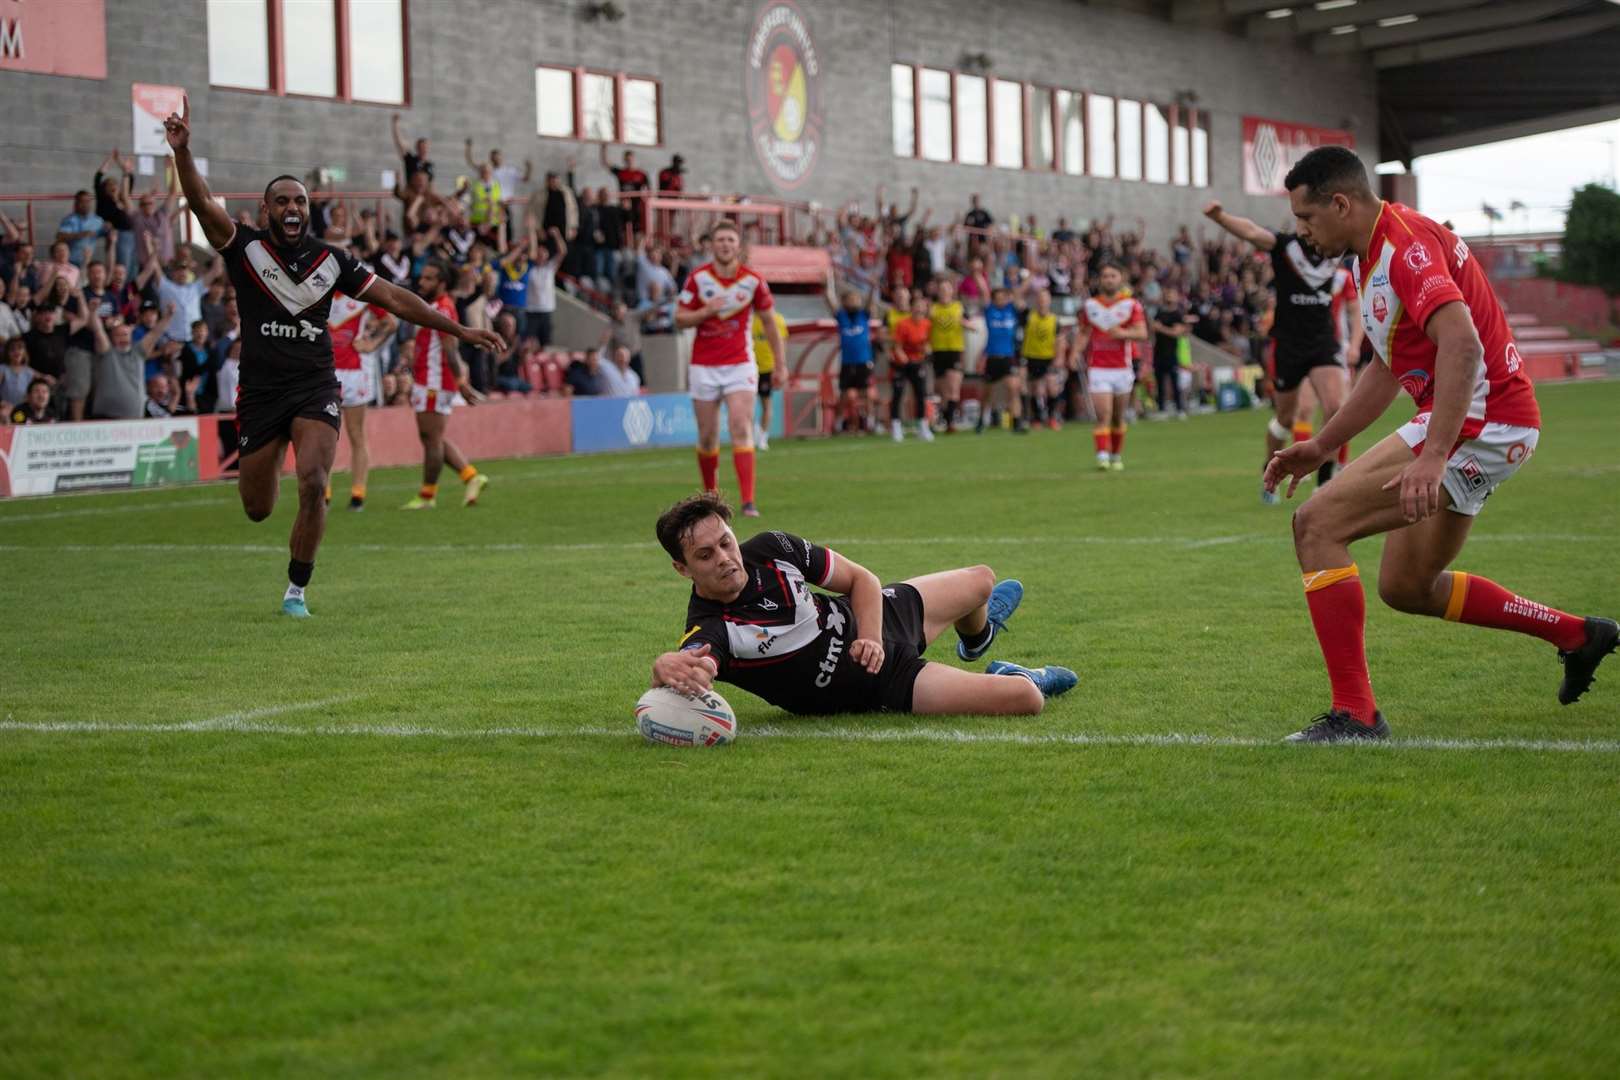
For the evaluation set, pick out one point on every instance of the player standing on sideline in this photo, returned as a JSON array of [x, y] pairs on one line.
[[855, 363], [358, 330], [284, 282], [438, 375], [1040, 349], [946, 340], [907, 353], [765, 362], [718, 299], [1002, 371], [755, 623], [1433, 319], [1302, 329], [1113, 321]]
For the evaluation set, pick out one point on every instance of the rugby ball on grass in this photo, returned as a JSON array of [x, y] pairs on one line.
[[665, 715]]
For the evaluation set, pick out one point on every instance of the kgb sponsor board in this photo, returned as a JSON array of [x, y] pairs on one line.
[[46, 459], [1272, 147], [630, 423]]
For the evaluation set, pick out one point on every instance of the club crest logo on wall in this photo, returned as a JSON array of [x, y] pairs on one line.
[[783, 73]]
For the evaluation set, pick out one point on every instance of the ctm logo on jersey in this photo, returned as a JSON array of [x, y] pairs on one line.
[[281, 330]]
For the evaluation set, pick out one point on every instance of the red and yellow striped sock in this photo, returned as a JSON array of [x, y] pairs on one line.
[[1480, 601], [1339, 614], [1102, 437], [357, 491], [428, 491], [742, 459], [468, 473], [709, 469], [1303, 429]]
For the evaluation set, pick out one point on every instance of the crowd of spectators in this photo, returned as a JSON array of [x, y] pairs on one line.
[[121, 319]]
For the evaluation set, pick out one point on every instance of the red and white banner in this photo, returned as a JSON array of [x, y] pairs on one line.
[[54, 37], [1272, 147], [150, 105]]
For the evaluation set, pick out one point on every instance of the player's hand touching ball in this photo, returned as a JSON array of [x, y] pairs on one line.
[[868, 654], [691, 671]]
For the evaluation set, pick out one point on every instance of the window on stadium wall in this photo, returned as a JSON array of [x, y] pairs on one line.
[[1072, 123], [1042, 134], [1100, 119], [345, 50], [972, 121], [903, 94], [937, 122], [597, 106], [946, 116], [1157, 144], [1130, 139], [1009, 114], [1181, 149]]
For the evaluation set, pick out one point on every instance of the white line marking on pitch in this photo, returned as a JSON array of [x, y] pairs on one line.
[[252, 723], [1190, 543]]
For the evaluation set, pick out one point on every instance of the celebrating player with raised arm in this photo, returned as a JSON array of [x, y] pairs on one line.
[[754, 622], [719, 298], [1306, 344], [1441, 336], [284, 283]]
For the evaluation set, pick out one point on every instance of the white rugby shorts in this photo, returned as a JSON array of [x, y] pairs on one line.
[[1110, 380], [359, 385], [712, 382], [1480, 465], [439, 401]]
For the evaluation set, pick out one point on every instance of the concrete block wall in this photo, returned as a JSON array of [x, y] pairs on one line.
[[472, 68]]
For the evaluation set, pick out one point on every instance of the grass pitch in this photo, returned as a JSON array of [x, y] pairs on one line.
[[417, 834]]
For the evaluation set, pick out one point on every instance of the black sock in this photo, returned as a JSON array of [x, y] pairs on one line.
[[950, 413], [299, 573], [979, 640], [354, 500]]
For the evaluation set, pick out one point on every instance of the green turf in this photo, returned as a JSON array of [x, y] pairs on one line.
[[483, 903]]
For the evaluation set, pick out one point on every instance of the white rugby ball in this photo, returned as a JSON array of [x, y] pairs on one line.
[[665, 715]]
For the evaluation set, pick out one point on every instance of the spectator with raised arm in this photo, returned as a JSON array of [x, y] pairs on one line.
[[113, 206], [120, 369], [509, 177], [82, 228], [415, 159], [541, 301], [154, 221]]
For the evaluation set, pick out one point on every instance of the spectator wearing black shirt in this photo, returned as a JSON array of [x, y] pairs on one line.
[[1170, 324], [113, 203], [415, 161], [631, 181], [36, 408], [47, 342], [673, 178], [561, 209], [977, 216], [583, 376], [609, 249]]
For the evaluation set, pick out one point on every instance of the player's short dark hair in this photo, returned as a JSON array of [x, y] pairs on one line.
[[279, 179], [724, 224], [1328, 171], [676, 523], [442, 267]]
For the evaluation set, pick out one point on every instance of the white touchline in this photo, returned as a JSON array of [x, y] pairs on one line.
[[252, 723], [1190, 543]]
